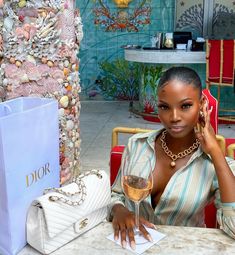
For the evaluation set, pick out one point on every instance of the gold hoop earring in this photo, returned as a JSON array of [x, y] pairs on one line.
[[201, 114]]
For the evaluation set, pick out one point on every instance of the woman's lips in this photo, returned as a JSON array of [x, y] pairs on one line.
[[176, 129]]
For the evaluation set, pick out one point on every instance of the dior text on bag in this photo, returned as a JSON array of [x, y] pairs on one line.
[[63, 214]]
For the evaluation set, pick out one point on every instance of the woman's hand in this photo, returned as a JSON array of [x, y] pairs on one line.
[[205, 133], [124, 224], [225, 176]]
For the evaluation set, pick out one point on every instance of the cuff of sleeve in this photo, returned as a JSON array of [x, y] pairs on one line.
[[228, 204], [110, 207], [228, 209]]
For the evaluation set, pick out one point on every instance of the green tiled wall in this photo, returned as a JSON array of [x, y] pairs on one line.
[[98, 45]]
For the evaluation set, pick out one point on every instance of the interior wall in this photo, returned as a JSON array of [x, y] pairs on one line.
[[99, 45]]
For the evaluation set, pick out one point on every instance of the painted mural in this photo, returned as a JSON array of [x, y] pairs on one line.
[[120, 79], [122, 18], [101, 50], [223, 17], [150, 76], [189, 17]]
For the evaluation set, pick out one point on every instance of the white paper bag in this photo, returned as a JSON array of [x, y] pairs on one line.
[[29, 163]]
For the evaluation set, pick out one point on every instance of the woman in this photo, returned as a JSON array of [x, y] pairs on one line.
[[190, 168]]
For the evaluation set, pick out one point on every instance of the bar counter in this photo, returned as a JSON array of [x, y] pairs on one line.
[[165, 56]]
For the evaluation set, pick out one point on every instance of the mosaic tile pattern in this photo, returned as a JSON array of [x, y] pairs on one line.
[[123, 18], [99, 46]]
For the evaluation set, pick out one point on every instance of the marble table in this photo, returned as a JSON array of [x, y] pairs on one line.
[[165, 56], [179, 241]]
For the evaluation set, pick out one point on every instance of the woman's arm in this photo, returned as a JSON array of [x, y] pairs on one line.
[[225, 211], [225, 176], [224, 182], [123, 220], [209, 144]]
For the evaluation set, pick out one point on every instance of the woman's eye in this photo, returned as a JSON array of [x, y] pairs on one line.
[[186, 106], [162, 107]]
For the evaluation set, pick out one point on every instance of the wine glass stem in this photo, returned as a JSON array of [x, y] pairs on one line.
[[137, 216]]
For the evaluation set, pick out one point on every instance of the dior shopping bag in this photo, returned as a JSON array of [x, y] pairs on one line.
[[29, 162], [63, 214]]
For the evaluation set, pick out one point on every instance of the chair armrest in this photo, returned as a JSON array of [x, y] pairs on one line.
[[231, 150], [125, 130], [221, 140]]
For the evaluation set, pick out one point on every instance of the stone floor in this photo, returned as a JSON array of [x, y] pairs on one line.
[[97, 120]]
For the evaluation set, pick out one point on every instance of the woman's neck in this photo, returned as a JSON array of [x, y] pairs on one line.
[[177, 145]]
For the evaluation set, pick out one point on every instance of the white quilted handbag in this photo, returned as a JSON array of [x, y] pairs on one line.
[[63, 214]]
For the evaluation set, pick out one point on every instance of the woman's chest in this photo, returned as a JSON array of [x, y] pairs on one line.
[[188, 186], [164, 174]]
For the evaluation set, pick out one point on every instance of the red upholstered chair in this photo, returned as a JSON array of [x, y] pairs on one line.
[[212, 102], [117, 150], [214, 122], [210, 210], [220, 65]]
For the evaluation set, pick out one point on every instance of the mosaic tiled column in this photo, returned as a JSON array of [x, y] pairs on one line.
[[40, 41]]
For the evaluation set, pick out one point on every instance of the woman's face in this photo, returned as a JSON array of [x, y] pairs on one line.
[[178, 107]]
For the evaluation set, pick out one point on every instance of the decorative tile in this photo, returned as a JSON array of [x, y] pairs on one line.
[[108, 44]]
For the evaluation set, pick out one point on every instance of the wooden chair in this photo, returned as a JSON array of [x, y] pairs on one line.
[[220, 65], [231, 151]]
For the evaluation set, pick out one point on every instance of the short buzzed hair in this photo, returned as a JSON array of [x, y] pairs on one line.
[[180, 73]]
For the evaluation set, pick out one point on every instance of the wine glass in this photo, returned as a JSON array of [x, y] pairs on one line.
[[137, 183]]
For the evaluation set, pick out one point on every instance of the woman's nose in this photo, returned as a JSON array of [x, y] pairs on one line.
[[175, 115]]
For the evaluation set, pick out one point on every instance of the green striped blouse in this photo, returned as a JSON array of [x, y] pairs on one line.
[[187, 193]]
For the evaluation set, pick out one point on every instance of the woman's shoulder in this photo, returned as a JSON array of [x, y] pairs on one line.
[[206, 159]]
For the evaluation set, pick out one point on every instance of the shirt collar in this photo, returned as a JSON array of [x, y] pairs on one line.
[[150, 137]]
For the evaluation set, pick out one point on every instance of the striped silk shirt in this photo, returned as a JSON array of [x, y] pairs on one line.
[[186, 194]]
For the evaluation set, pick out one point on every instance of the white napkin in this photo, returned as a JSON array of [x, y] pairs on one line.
[[141, 243]]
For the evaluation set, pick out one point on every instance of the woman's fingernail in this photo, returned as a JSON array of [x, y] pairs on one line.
[[124, 244], [155, 227], [133, 245], [150, 238], [115, 238]]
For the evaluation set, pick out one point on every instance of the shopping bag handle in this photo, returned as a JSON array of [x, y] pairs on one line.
[[8, 108]]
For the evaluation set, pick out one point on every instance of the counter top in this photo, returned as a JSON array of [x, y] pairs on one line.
[[165, 56], [179, 241]]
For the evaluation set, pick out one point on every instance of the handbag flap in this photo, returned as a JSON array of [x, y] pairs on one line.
[[59, 215]]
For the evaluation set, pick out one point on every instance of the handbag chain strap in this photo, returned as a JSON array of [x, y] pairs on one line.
[[81, 189]]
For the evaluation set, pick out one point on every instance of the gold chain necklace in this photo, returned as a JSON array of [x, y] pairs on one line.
[[181, 154]]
